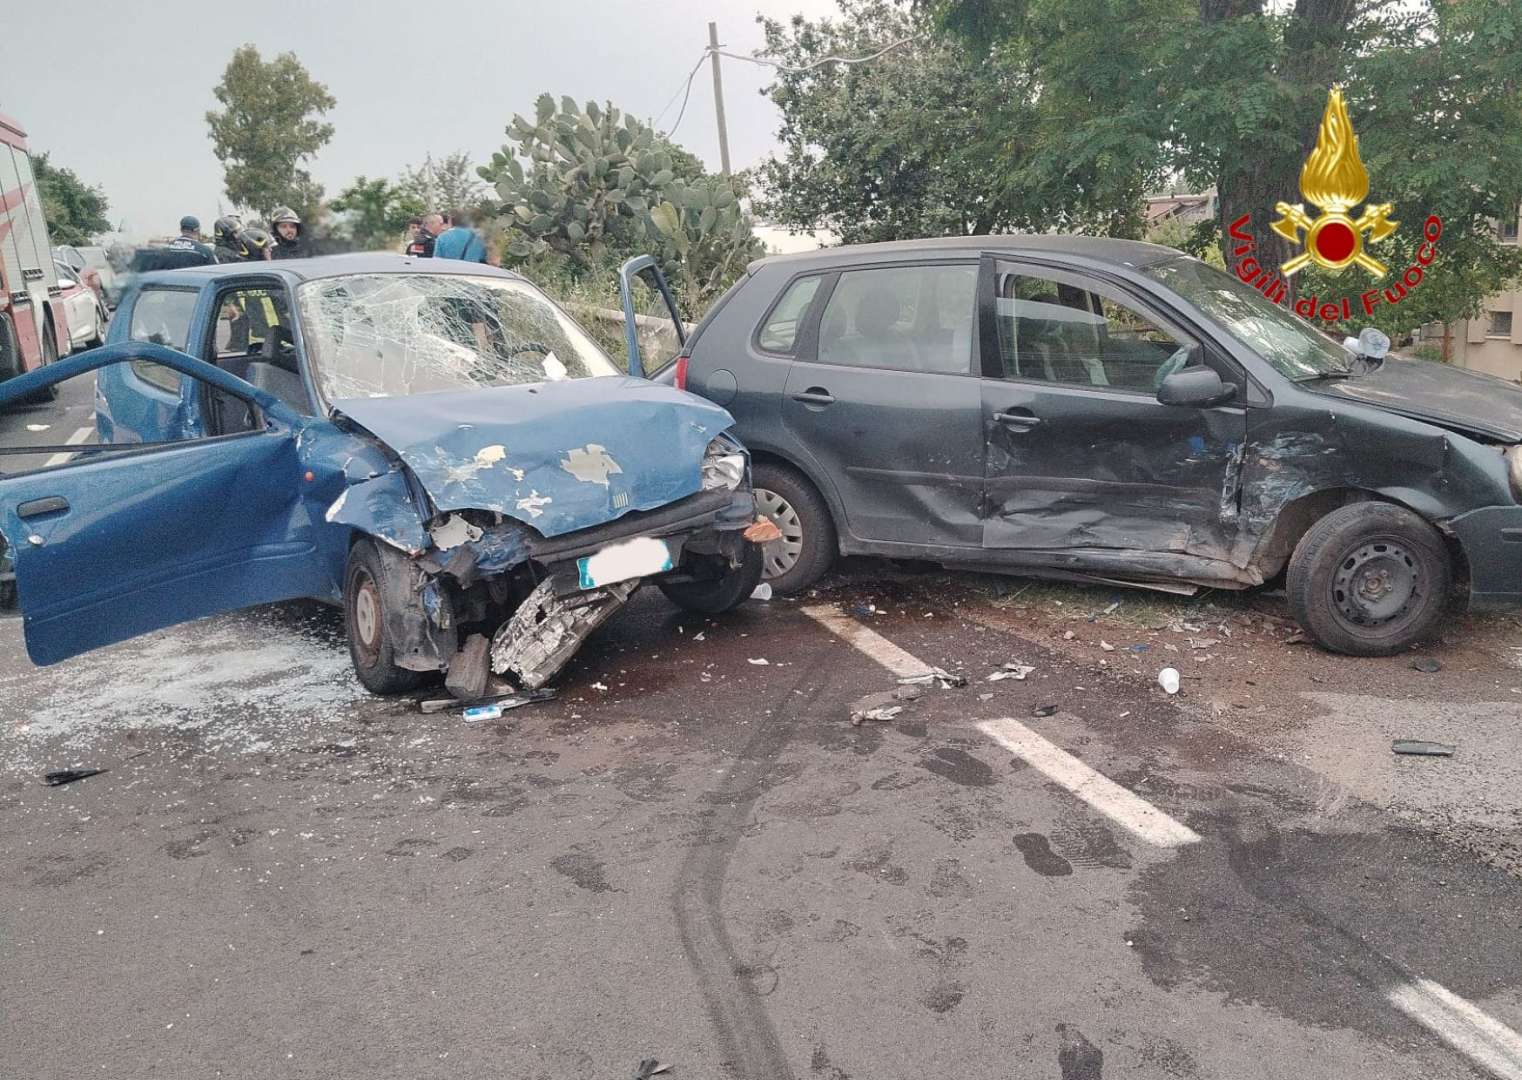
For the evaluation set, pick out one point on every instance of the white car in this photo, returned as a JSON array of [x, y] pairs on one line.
[[84, 310], [92, 267]]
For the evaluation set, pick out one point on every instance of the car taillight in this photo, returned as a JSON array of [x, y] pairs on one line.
[[681, 372]]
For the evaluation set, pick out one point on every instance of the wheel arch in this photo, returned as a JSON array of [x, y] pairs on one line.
[[826, 491]]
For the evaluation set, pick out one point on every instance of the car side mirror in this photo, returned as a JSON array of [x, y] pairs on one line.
[[1195, 387]]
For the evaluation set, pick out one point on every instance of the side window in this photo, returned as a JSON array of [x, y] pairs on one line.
[[1054, 329], [254, 324], [908, 318], [97, 414], [780, 331], [162, 316]]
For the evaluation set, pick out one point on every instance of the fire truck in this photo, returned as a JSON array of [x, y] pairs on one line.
[[33, 325]]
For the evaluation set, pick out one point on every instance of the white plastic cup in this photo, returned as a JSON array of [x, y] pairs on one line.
[[1168, 680], [762, 591]]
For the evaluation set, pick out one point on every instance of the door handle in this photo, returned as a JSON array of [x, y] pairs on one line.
[[815, 395], [1019, 419], [53, 504]]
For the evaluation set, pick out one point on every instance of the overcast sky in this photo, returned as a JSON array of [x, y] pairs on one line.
[[118, 91]]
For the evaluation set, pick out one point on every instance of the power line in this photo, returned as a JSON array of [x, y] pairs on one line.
[[817, 63], [685, 90]]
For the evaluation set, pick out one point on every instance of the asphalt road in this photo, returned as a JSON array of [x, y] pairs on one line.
[[36, 435], [693, 856]]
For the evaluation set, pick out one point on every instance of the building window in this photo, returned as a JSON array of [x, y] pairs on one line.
[[1500, 324]]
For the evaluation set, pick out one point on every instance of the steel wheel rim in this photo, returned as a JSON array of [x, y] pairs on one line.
[[367, 617], [781, 555], [1377, 583]]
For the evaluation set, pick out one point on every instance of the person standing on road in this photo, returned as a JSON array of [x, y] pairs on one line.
[[258, 244], [460, 241], [289, 243], [190, 240], [426, 241], [230, 248], [417, 242]]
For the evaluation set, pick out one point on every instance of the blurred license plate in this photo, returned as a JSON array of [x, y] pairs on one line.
[[642, 556]]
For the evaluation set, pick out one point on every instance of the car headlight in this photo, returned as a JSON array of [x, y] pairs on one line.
[[723, 466], [1514, 471]]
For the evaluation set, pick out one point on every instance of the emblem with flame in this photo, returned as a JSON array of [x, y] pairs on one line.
[[1334, 179]]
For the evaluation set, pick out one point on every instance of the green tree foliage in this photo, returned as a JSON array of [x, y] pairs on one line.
[[449, 183], [375, 212], [267, 128], [933, 138], [75, 211], [1231, 93], [582, 189]]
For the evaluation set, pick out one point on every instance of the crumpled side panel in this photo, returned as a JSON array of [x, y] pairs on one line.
[[382, 507]]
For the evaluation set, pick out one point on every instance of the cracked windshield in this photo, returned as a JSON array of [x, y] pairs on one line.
[[393, 335]]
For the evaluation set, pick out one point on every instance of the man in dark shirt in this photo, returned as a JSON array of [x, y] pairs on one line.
[[428, 229], [189, 240]]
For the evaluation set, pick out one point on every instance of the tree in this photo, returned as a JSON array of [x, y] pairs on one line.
[[267, 127], [375, 212], [592, 187], [450, 182], [1232, 92], [75, 211], [931, 138]]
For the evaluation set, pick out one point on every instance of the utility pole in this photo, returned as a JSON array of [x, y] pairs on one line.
[[718, 96]]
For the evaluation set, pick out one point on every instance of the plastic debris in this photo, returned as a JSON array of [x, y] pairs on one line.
[[762, 531], [762, 591], [1427, 664], [935, 677], [1106, 646], [759, 661], [1140, 648], [1016, 671], [884, 705], [59, 777], [1068, 635], [506, 701], [1044, 710], [1422, 748], [649, 1067], [1168, 679], [701, 635], [38, 427]]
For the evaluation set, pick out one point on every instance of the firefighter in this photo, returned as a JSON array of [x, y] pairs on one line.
[[258, 244], [289, 243], [229, 246]]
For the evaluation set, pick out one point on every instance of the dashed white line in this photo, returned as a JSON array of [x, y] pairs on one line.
[[901, 664], [73, 440], [1479, 1037], [1129, 810]]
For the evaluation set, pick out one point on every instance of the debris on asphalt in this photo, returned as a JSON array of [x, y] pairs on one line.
[[759, 661], [1427, 664], [861, 610], [883, 705], [1141, 648], [1068, 635], [59, 777], [1016, 671], [1168, 679], [38, 427], [1422, 748], [762, 591], [649, 1067], [935, 677], [700, 635], [1044, 710], [907, 693], [501, 702], [1297, 638], [1106, 646]]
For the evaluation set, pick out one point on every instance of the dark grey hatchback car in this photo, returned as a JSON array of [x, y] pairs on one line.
[[1107, 410]]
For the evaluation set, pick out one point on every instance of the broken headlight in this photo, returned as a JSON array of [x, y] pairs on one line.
[[1514, 471], [723, 465]]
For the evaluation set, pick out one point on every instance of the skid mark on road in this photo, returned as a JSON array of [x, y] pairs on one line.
[[1135, 814], [1479, 1037]]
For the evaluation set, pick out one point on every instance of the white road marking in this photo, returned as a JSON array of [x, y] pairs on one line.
[[1481, 1038], [73, 440], [1135, 814], [901, 664]]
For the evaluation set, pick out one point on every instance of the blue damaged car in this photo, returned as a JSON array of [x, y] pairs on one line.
[[435, 445]]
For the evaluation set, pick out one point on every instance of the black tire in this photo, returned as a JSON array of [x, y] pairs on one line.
[[721, 594], [49, 356], [808, 547], [10, 351], [1369, 579], [367, 582]]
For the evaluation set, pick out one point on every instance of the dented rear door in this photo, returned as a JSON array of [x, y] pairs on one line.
[[1080, 453]]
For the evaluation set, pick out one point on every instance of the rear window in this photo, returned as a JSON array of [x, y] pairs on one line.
[[779, 333]]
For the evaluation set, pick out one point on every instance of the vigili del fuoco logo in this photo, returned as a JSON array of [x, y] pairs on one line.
[[1334, 180]]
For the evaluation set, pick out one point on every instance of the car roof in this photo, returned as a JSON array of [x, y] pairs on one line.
[[325, 266], [1131, 253]]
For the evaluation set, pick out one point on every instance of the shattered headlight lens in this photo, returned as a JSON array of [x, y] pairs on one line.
[[1514, 471], [723, 466]]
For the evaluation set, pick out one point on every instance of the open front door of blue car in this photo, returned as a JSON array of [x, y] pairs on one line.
[[114, 541], [653, 329]]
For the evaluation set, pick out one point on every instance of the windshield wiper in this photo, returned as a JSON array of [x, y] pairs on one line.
[[1324, 375]]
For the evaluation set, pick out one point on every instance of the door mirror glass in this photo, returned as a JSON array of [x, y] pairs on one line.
[[1194, 386]]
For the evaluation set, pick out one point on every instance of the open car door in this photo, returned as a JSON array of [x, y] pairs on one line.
[[114, 540], [653, 330]]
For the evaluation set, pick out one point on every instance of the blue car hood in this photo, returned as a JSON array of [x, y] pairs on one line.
[[558, 456]]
